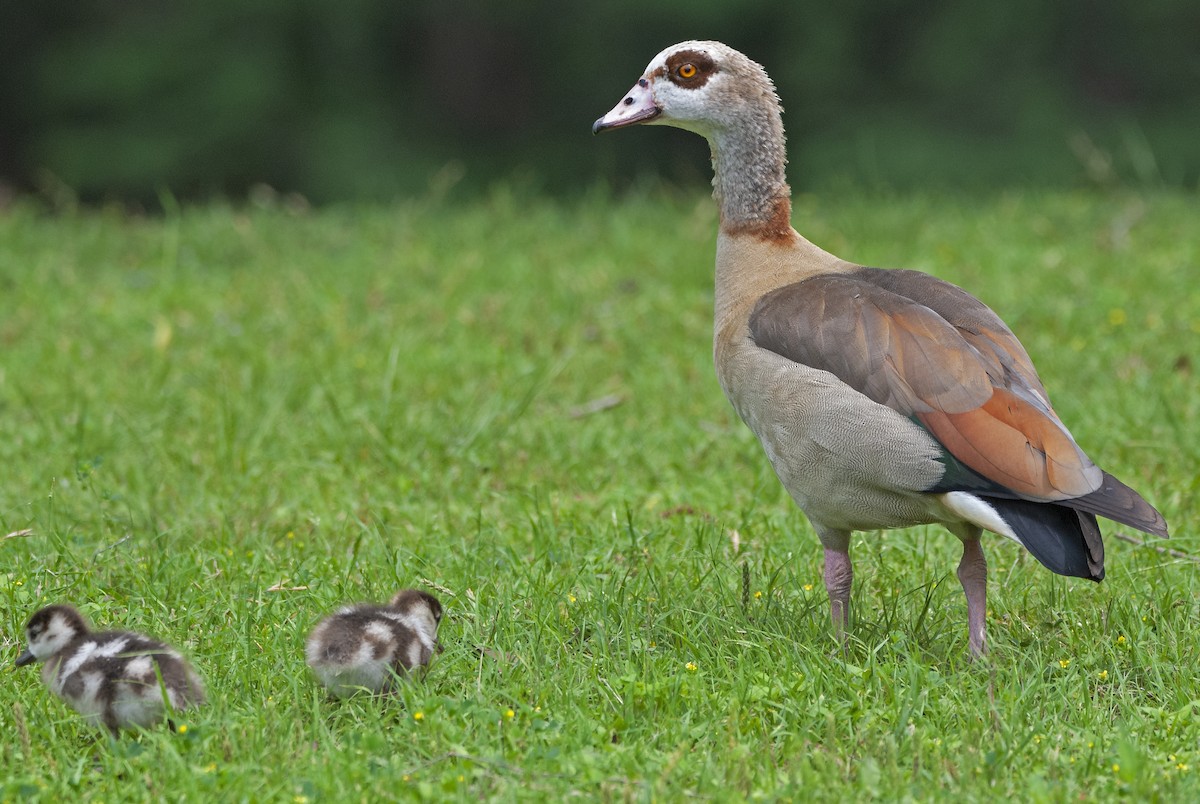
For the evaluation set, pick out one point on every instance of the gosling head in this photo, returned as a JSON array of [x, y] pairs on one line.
[[422, 612], [49, 631]]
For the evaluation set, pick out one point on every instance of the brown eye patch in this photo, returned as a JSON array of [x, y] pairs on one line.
[[690, 68]]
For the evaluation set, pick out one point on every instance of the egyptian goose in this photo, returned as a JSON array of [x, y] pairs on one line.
[[367, 646], [883, 398], [115, 679]]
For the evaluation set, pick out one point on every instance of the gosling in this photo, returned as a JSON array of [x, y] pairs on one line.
[[115, 679], [369, 647]]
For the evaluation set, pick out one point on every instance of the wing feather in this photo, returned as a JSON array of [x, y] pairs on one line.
[[951, 364]]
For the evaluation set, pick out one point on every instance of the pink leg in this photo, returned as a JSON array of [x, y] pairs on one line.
[[839, 574], [972, 573]]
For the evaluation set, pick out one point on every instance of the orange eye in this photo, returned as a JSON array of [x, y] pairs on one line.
[[687, 70]]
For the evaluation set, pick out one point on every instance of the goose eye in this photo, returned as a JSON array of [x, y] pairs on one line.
[[686, 70]]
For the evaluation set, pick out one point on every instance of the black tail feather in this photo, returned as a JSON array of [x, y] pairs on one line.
[[1065, 540]]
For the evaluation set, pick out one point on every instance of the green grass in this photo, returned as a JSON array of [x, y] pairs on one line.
[[219, 425]]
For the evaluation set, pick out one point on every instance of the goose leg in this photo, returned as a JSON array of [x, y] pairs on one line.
[[972, 574], [839, 575]]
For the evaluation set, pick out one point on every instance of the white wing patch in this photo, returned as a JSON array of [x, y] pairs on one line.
[[71, 665], [977, 512], [379, 630], [112, 647], [140, 668]]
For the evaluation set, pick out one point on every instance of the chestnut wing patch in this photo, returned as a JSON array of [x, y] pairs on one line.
[[953, 367]]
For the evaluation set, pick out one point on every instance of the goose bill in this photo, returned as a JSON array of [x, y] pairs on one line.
[[637, 106]]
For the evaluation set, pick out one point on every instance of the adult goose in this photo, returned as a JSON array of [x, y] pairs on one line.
[[883, 398]]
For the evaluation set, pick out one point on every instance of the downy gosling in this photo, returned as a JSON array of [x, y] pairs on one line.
[[368, 646], [115, 679]]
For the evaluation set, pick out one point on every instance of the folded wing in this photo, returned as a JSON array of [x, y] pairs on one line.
[[931, 351]]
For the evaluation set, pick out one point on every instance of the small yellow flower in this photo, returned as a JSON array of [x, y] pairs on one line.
[[1116, 768], [1121, 639], [1037, 739], [1170, 757], [405, 778], [1182, 767], [299, 799], [418, 715], [1064, 663], [210, 767], [808, 587], [510, 714], [229, 552], [291, 534], [690, 667], [570, 598], [1103, 674], [183, 728], [757, 595], [1117, 316], [461, 778], [1091, 744]]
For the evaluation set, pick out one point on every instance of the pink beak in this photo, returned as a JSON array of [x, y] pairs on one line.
[[638, 106]]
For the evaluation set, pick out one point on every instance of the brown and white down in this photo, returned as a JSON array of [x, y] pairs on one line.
[[369, 646], [883, 398], [115, 679]]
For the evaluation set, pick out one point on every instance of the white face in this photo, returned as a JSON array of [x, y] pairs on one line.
[[679, 88], [47, 640]]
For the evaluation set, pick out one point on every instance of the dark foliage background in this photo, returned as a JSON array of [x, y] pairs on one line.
[[340, 99]]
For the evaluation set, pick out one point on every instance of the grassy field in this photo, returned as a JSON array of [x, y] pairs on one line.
[[218, 425]]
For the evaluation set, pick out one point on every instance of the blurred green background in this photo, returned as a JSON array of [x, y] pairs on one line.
[[370, 99]]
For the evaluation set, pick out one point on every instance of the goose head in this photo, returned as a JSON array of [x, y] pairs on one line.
[[713, 90], [704, 87]]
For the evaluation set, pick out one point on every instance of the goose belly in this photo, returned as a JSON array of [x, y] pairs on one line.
[[848, 462]]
